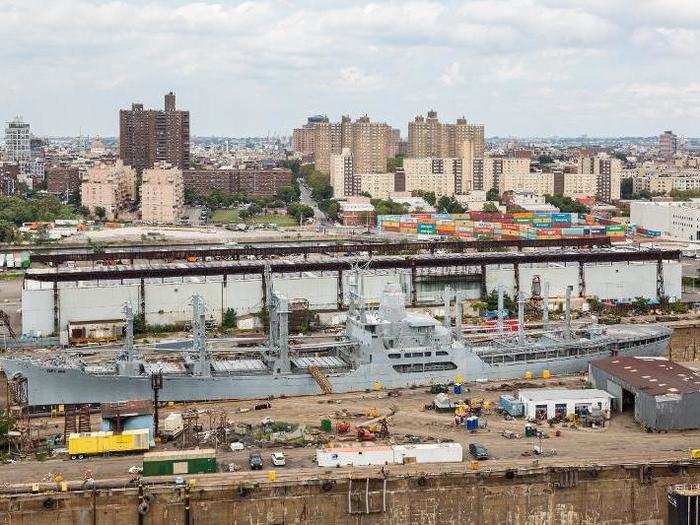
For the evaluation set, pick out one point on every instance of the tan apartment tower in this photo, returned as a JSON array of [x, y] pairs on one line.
[[162, 194]]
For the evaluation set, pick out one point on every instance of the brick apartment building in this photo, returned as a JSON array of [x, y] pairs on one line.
[[9, 174], [63, 179], [255, 183], [148, 136]]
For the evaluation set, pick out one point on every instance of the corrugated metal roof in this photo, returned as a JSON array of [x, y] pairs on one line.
[[555, 394], [319, 361], [239, 365], [654, 375]]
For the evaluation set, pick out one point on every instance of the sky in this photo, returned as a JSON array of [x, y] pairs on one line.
[[520, 67]]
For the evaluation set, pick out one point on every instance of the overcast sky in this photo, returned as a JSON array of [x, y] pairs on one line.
[[521, 67]]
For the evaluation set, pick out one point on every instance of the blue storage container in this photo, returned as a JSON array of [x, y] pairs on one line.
[[457, 389], [511, 405], [472, 423]]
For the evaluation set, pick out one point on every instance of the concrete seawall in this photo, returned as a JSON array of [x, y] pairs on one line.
[[450, 494]]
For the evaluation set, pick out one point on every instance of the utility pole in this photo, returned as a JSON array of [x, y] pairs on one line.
[[156, 385]]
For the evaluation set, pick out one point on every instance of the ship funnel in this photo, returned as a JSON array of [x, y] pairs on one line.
[[499, 322], [545, 305], [447, 295], [567, 313], [521, 317]]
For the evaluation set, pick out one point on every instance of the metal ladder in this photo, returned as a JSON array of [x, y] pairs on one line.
[[366, 501], [321, 379]]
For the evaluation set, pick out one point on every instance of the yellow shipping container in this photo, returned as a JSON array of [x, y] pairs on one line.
[[102, 442]]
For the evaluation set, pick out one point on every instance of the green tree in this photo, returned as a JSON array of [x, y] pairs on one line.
[[300, 211], [388, 207], [393, 163], [566, 204], [490, 207], [230, 319], [508, 303], [9, 234], [100, 213], [449, 205], [492, 194], [545, 159], [640, 304], [331, 208], [427, 196], [289, 193], [626, 188]]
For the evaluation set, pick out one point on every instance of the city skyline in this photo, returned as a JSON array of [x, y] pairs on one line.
[[522, 67]]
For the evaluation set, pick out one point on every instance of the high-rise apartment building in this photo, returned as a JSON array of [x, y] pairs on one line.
[[497, 169], [343, 178], [443, 176], [108, 186], [162, 194], [428, 137], [148, 136], [369, 142], [668, 144], [18, 147], [608, 172]]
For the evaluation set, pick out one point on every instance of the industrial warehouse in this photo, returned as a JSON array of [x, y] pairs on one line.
[[53, 298], [663, 395]]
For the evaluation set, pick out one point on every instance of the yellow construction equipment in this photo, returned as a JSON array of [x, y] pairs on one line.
[[321, 379], [695, 453]]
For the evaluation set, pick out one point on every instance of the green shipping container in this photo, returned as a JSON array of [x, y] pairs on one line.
[[179, 462], [429, 229]]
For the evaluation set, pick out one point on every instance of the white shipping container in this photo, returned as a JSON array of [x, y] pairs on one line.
[[10, 259], [357, 456], [2, 260], [428, 453]]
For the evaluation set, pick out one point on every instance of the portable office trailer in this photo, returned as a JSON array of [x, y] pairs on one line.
[[356, 456], [167, 463], [428, 453]]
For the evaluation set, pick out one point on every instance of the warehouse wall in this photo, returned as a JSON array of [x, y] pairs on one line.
[[95, 303], [37, 311], [168, 302], [621, 281], [243, 295], [171, 303], [320, 290], [559, 276]]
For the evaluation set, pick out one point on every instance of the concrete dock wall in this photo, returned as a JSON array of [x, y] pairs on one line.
[[568, 496]]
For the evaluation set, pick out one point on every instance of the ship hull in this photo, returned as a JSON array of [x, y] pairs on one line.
[[53, 386]]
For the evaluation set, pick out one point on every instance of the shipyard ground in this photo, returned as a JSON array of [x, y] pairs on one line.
[[618, 474], [622, 440]]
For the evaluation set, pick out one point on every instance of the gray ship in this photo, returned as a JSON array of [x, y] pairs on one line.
[[383, 347]]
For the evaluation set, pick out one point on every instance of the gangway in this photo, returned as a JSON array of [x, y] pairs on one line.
[[321, 379]]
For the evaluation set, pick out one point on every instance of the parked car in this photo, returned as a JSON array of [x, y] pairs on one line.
[[478, 451], [278, 459], [255, 461]]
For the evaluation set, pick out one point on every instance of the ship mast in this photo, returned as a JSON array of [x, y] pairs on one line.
[[278, 333], [127, 359], [199, 345]]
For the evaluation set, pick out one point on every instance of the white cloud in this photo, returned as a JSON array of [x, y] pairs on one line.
[[388, 56]]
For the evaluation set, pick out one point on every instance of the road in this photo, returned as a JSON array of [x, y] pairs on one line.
[[305, 198]]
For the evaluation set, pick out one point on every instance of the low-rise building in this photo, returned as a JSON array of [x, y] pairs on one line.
[[662, 394], [549, 403], [253, 182], [679, 220], [357, 211], [162, 194]]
